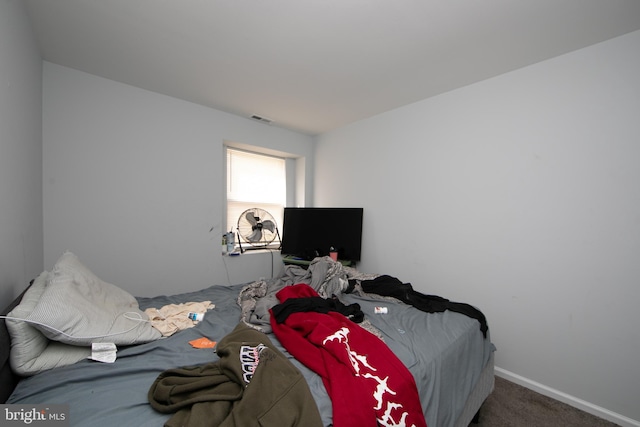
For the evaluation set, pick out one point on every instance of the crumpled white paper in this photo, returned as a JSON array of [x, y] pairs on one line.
[[104, 352]]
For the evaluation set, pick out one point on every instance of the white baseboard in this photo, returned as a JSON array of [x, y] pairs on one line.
[[568, 399]]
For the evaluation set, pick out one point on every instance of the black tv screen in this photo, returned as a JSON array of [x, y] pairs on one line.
[[310, 232]]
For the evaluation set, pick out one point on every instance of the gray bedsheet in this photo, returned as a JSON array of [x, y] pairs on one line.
[[444, 351]]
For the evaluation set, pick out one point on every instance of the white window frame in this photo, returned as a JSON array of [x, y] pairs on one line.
[[294, 173]]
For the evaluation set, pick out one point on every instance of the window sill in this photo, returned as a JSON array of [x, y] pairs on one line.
[[248, 251]]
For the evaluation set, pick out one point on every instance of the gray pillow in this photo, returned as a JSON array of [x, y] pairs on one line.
[[32, 352], [78, 308]]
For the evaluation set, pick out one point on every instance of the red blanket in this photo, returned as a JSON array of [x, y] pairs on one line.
[[368, 385]]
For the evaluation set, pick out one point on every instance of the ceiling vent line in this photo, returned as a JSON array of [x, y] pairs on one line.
[[261, 119]]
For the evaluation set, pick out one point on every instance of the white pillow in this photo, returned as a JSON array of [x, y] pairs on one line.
[[78, 308], [31, 352]]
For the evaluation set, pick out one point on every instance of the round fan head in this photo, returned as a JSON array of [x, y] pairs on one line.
[[257, 227]]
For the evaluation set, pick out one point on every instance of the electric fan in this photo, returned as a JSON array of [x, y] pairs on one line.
[[257, 227]]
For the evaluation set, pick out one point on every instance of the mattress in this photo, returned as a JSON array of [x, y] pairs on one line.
[[446, 353]]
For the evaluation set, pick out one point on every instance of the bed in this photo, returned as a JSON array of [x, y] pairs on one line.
[[446, 352]]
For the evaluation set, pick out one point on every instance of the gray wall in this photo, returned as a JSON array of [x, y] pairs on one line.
[[133, 182], [21, 257], [521, 195]]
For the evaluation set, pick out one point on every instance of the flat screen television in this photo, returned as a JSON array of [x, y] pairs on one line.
[[310, 232]]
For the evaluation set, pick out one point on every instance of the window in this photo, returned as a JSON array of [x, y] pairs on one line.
[[255, 180]]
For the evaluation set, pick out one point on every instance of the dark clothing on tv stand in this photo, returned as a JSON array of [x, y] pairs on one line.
[[390, 286]]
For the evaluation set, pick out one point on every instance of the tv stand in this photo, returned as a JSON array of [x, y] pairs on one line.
[[294, 260]]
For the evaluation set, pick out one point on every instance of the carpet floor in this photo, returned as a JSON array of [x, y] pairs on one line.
[[511, 405]]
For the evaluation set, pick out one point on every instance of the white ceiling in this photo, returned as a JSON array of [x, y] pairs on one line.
[[315, 65]]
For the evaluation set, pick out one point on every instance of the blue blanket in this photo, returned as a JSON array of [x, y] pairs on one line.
[[445, 352]]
